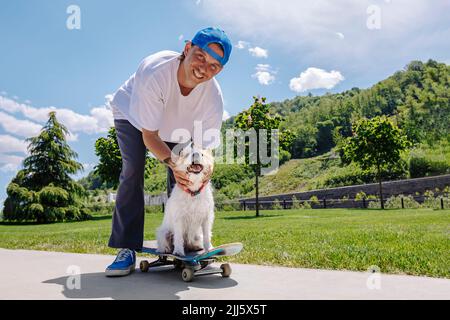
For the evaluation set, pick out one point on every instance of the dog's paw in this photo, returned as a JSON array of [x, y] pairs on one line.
[[208, 246]]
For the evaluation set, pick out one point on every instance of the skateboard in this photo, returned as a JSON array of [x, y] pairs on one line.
[[193, 263]]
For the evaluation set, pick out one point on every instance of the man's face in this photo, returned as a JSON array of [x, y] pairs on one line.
[[198, 65]]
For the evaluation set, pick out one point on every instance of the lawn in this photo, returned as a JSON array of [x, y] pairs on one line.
[[408, 241]]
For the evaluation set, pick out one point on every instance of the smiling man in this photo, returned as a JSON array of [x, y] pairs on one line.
[[168, 93]]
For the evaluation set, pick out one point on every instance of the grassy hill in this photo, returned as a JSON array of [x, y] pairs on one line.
[[326, 171]]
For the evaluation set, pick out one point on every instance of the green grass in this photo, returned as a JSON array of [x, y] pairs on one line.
[[409, 241]]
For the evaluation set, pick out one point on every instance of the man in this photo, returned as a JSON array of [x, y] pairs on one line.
[[167, 93]]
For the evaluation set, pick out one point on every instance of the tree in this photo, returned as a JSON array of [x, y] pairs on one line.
[[257, 117], [110, 164], [43, 190], [376, 142]]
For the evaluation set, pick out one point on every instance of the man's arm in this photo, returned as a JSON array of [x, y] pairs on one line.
[[162, 152], [156, 146]]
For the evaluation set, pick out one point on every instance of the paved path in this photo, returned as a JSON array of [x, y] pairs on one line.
[[28, 274]]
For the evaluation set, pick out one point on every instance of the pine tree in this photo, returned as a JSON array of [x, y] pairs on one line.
[[43, 190]]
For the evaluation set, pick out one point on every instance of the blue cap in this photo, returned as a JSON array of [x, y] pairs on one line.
[[213, 35]]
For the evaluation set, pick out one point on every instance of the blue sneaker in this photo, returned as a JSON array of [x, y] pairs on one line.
[[123, 265]]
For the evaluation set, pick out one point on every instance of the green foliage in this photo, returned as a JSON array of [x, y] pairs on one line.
[[43, 191], [429, 160], [376, 143], [313, 200], [395, 202], [296, 203], [93, 181], [276, 205], [156, 183], [360, 195], [225, 174], [110, 162]]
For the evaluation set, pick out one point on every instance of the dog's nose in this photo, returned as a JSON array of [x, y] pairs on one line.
[[196, 158]]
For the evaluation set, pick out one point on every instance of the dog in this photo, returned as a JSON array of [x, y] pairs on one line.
[[189, 217]]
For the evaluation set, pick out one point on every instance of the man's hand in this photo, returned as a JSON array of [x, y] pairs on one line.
[[181, 177]]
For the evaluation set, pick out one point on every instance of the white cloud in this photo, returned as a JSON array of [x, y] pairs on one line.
[[264, 74], [22, 128], [340, 35], [226, 115], [9, 144], [258, 52], [315, 78], [180, 37], [100, 120], [242, 44]]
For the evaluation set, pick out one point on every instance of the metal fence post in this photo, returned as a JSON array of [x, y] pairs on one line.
[[284, 204], [442, 203], [244, 204], [324, 203], [364, 202], [403, 204]]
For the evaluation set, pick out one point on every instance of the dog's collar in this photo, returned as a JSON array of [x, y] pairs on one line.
[[196, 193]]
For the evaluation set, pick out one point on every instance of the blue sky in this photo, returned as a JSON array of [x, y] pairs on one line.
[[281, 49]]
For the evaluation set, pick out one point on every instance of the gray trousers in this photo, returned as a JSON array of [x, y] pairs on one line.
[[128, 216]]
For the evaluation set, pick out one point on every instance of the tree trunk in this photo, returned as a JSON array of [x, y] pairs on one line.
[[257, 173], [381, 187]]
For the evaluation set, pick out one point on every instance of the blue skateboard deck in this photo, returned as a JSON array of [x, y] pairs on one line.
[[229, 249], [193, 263]]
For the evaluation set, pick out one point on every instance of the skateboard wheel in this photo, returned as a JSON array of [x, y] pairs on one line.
[[226, 270], [144, 265], [187, 274]]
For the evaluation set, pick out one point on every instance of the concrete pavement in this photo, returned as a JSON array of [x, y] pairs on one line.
[[26, 274]]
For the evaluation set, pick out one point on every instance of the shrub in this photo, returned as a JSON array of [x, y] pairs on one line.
[[431, 201], [306, 205], [313, 200], [360, 195], [296, 203], [276, 205], [395, 202], [422, 167]]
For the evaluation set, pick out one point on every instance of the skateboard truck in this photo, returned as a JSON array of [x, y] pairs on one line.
[[193, 264]]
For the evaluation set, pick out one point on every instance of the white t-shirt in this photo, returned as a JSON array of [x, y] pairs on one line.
[[151, 99]]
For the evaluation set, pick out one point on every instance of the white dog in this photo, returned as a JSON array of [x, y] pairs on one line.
[[188, 217]]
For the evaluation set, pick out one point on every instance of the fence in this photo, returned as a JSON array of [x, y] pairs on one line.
[[401, 201], [392, 202]]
